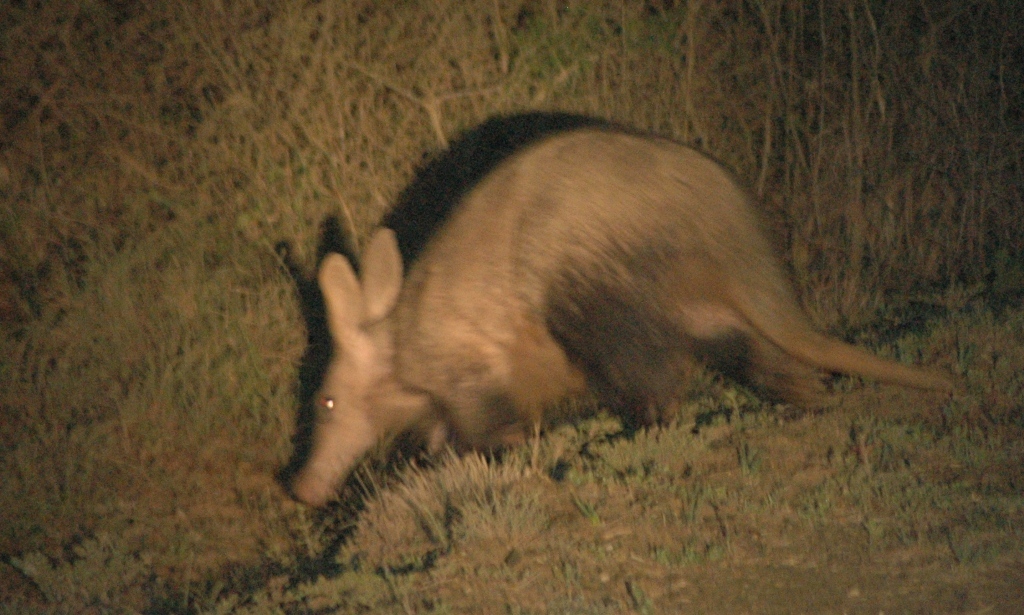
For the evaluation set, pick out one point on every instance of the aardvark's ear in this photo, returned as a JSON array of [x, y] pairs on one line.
[[382, 275], [343, 297]]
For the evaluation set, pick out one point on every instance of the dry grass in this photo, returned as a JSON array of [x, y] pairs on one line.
[[151, 158]]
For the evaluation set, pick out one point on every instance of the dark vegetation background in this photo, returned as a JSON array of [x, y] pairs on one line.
[[153, 155]]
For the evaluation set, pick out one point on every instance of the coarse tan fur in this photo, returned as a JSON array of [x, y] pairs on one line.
[[594, 259]]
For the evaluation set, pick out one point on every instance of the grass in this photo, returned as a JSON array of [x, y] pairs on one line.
[[633, 521], [153, 355]]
